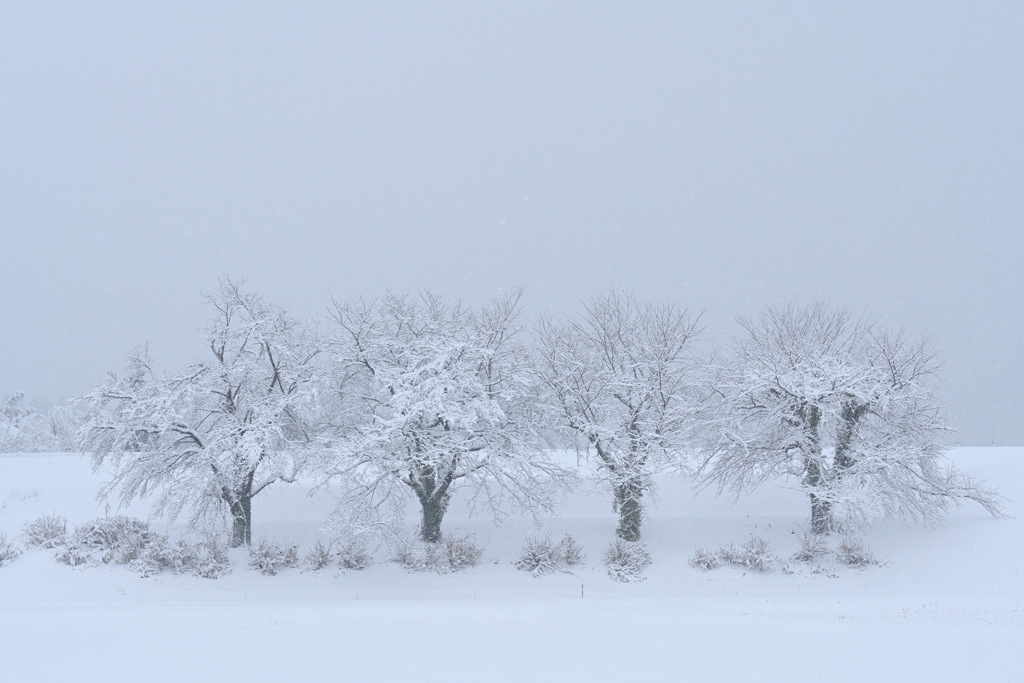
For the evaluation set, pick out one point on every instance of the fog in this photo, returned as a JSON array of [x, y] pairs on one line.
[[722, 157]]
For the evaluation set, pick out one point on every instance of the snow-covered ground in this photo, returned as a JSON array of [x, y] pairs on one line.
[[947, 605]]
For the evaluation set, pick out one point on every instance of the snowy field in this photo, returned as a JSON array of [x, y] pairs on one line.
[[947, 605]]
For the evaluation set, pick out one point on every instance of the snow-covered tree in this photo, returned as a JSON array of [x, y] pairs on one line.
[[851, 410], [25, 428], [15, 422], [19, 425], [620, 380], [436, 397], [212, 438]]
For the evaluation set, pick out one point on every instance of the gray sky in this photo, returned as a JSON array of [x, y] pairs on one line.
[[722, 155]]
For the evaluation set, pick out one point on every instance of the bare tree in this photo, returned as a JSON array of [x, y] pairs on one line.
[[436, 397], [620, 378], [815, 393], [215, 436]]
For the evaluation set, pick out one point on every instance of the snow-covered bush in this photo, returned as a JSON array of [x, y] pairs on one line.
[[46, 531], [705, 559], [211, 560], [318, 557], [626, 560], [538, 556], [128, 541], [755, 555], [812, 548], [460, 553], [118, 539], [160, 554], [268, 557], [8, 551], [412, 557], [450, 554], [154, 558], [354, 555], [854, 553], [110, 540], [74, 555], [543, 556], [571, 551]]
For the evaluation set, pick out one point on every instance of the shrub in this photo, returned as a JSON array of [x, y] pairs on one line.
[[75, 555], [354, 555], [410, 556], [812, 548], [450, 554], [755, 555], [571, 551], [318, 557], [267, 557], [854, 553], [705, 559], [211, 560], [153, 558], [117, 540], [459, 553], [626, 560], [538, 556], [111, 540], [8, 551], [543, 556], [47, 531], [128, 541], [160, 554]]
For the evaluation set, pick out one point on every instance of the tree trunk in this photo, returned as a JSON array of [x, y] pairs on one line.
[[432, 492], [821, 508], [851, 414], [631, 511], [241, 521], [239, 501], [433, 509], [821, 515], [814, 476]]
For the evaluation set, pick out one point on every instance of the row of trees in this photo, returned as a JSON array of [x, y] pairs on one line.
[[408, 398]]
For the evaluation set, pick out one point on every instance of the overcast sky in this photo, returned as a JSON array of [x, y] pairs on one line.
[[722, 155]]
